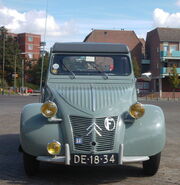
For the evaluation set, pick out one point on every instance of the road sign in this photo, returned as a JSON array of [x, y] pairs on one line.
[[15, 75]]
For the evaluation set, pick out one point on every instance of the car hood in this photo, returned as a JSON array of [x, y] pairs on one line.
[[94, 98]]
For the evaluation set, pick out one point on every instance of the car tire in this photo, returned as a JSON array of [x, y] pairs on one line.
[[151, 166], [31, 165]]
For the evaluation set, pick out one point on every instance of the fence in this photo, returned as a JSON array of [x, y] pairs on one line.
[[165, 96]]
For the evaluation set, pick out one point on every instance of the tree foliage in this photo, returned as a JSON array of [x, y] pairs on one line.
[[136, 67], [35, 71], [174, 78], [10, 49]]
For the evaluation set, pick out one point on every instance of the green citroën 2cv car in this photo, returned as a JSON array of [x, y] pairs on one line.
[[89, 114]]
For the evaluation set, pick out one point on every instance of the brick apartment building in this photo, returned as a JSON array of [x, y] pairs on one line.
[[118, 36], [145, 63], [163, 51], [29, 44]]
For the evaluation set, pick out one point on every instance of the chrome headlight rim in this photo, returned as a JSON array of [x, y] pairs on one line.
[[137, 110], [52, 106]]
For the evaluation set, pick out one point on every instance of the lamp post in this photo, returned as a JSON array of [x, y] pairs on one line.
[[22, 84], [2, 29], [3, 63], [15, 75], [42, 64], [22, 72]]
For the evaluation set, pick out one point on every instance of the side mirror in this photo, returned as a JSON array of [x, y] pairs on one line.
[[146, 76]]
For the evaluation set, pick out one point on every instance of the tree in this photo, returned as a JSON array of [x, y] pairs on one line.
[[174, 79], [136, 67], [3, 32], [9, 52], [35, 72]]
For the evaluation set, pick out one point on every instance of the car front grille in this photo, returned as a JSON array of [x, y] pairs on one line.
[[104, 140], [79, 126]]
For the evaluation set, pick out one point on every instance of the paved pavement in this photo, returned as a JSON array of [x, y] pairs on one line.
[[11, 167]]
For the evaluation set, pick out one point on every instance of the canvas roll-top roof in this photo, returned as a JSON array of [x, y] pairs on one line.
[[89, 47]]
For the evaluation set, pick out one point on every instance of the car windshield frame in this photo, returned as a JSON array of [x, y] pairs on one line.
[[98, 72]]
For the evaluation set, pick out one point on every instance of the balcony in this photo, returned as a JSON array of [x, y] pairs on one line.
[[175, 53], [166, 70], [163, 54], [168, 55], [145, 61]]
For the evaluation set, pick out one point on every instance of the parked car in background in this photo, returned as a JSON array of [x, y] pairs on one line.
[[89, 114], [29, 90]]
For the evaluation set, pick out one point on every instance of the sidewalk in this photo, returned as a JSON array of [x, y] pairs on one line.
[[157, 99]]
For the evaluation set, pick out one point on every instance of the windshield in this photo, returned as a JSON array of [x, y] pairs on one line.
[[107, 65]]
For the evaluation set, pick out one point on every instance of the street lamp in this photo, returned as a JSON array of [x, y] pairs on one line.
[[22, 79], [2, 29], [15, 75], [43, 44]]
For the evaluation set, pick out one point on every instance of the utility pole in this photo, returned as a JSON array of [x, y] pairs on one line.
[[22, 70], [22, 88], [15, 73], [44, 44], [3, 58]]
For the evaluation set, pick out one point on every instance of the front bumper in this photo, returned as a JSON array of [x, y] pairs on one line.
[[66, 159]]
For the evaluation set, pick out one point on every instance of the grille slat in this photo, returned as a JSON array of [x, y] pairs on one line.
[[79, 127]]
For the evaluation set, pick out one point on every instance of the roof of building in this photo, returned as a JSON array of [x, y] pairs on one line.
[[114, 36], [142, 41], [33, 34], [12, 34], [169, 34], [89, 47]]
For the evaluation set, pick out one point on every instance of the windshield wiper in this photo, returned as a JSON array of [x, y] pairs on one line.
[[99, 70], [73, 75]]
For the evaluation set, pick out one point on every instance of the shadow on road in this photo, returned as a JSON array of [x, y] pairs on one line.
[[11, 169]]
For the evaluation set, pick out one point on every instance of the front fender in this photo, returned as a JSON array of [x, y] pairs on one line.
[[36, 131], [145, 136]]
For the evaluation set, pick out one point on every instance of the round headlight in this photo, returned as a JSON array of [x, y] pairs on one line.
[[54, 148], [49, 109], [137, 110]]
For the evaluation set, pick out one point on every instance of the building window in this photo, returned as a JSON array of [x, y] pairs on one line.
[[30, 38], [165, 43], [30, 55], [165, 65], [30, 47], [157, 65], [173, 48], [165, 48]]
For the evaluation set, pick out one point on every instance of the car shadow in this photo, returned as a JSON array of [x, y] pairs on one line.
[[12, 172]]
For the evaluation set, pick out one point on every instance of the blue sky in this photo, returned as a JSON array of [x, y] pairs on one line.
[[72, 20]]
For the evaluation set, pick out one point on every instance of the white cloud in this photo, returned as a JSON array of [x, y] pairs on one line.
[[139, 26], [166, 19], [178, 3], [34, 22]]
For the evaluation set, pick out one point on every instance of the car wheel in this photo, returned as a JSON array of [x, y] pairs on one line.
[[31, 165], [151, 166]]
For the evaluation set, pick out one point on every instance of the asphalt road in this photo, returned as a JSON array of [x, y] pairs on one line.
[[11, 167]]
